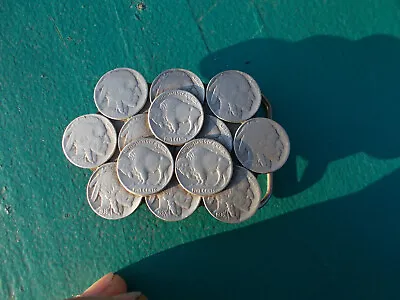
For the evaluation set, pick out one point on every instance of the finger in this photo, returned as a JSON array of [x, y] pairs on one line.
[[128, 296], [108, 285]]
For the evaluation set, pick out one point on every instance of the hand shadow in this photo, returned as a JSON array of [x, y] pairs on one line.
[[335, 97], [340, 249]]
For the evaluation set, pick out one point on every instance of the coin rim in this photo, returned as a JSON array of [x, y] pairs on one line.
[[226, 128], [108, 124], [90, 204], [251, 214], [188, 145], [171, 159], [126, 125], [140, 78], [165, 94], [193, 75], [273, 123], [252, 82]]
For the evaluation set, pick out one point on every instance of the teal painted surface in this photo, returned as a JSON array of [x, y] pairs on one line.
[[331, 71]]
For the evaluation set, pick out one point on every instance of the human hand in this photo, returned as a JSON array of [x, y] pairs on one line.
[[109, 287]]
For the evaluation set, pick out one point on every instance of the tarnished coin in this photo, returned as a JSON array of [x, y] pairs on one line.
[[145, 166], [176, 117], [233, 96], [177, 79], [89, 141], [215, 129], [173, 203], [203, 167], [239, 201], [136, 127], [261, 145], [107, 197], [120, 93]]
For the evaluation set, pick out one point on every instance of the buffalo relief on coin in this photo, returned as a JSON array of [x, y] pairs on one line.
[[145, 166], [89, 141], [203, 167], [136, 127], [233, 96], [239, 201], [261, 145], [177, 79], [173, 203], [120, 93], [176, 117], [215, 129], [107, 197]]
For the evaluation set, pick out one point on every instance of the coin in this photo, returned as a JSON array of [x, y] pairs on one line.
[[261, 145], [89, 141], [174, 203], [176, 117], [215, 129], [203, 167], [120, 93], [177, 79], [136, 127], [107, 197], [239, 201], [233, 96], [145, 166]]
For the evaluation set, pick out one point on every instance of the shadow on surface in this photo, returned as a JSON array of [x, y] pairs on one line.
[[341, 249], [335, 97]]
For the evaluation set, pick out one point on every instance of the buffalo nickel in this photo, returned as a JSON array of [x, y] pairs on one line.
[[173, 203], [261, 145], [120, 93], [203, 167], [233, 96], [145, 166], [176, 117], [107, 197], [89, 141], [177, 79], [239, 201], [215, 129], [136, 127]]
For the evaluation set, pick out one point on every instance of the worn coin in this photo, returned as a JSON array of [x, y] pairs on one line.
[[233, 96], [120, 93], [107, 197], [89, 141], [239, 201], [136, 127], [173, 203], [145, 166], [203, 167], [261, 145], [176, 117], [215, 129], [177, 79]]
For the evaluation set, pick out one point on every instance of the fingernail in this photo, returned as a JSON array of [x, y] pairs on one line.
[[108, 285], [131, 296]]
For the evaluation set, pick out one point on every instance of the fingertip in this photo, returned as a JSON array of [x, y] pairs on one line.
[[109, 285]]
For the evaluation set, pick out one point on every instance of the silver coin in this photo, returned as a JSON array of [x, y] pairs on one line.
[[239, 201], [136, 127], [177, 79], [176, 117], [145, 166], [120, 93], [233, 96], [89, 141], [173, 203], [107, 197], [203, 167], [215, 129], [261, 145]]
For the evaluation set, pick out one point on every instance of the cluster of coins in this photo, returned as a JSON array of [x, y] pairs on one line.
[[168, 146]]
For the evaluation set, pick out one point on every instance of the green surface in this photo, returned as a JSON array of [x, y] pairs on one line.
[[331, 70]]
